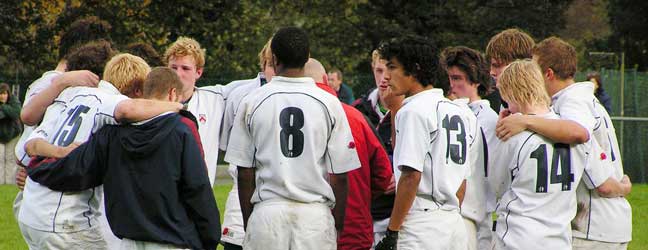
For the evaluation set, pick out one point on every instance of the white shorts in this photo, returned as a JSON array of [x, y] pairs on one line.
[[471, 234], [582, 244], [128, 244], [111, 240], [380, 231], [233, 232], [485, 233], [16, 204], [432, 229], [90, 238], [281, 225]]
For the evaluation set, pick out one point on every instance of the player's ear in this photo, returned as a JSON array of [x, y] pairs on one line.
[[199, 72], [173, 95]]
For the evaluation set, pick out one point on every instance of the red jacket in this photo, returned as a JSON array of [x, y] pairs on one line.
[[372, 178]]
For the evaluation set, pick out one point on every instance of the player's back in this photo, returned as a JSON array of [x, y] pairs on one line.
[[75, 115], [536, 209], [433, 136], [292, 124]]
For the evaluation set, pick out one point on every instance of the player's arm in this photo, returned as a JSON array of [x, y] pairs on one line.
[[81, 169], [131, 110], [340, 185], [196, 193], [246, 186], [407, 188], [612, 188], [557, 130], [33, 111], [40, 147]]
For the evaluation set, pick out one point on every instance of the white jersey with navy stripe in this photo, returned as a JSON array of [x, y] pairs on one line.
[[536, 209], [207, 104], [487, 119], [76, 113], [295, 135], [432, 137], [36, 87], [603, 219]]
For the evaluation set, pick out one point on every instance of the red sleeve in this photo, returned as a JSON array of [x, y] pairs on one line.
[[194, 131], [381, 170]]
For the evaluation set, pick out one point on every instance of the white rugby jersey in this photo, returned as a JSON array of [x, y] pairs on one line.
[[207, 104], [232, 217], [433, 136], [487, 120], [295, 135], [84, 110], [603, 219], [536, 209], [36, 87]]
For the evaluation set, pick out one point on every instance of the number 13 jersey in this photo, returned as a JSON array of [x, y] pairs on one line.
[[432, 137], [294, 134]]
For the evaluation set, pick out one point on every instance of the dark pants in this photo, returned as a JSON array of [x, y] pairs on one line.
[[228, 246]]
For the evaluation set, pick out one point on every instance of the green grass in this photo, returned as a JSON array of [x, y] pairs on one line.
[[10, 237]]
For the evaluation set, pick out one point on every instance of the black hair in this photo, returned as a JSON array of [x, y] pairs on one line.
[[472, 63], [92, 56], [291, 47], [81, 32], [418, 55]]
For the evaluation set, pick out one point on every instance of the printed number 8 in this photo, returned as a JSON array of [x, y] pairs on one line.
[[291, 137]]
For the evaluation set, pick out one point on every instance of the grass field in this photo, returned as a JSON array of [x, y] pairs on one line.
[[10, 237]]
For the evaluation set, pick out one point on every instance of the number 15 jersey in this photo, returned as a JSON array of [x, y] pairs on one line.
[[294, 134]]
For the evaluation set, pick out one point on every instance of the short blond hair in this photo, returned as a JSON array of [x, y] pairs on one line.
[[265, 55], [186, 46], [375, 57], [521, 82], [126, 72], [509, 45]]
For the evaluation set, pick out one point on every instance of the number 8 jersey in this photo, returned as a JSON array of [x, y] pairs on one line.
[[433, 136], [539, 199], [294, 134]]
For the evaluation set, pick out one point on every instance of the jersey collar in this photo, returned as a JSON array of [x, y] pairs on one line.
[[578, 86], [438, 93], [108, 87], [292, 80]]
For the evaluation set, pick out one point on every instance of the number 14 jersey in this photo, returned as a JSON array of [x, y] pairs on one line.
[[539, 199], [294, 134]]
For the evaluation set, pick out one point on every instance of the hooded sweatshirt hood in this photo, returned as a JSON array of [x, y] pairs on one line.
[[141, 140]]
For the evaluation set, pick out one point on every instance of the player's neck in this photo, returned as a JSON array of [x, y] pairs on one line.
[[418, 88], [186, 95], [473, 98], [559, 84], [291, 72], [535, 110]]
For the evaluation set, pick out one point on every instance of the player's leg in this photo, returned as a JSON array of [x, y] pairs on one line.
[[268, 227], [314, 227]]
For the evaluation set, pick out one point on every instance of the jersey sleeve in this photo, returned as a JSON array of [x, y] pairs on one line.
[[598, 167], [109, 103], [240, 152], [340, 151], [411, 142], [576, 110], [228, 121]]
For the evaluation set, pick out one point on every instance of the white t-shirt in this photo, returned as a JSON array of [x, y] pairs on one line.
[[295, 135], [432, 137], [207, 104], [76, 113], [536, 209], [601, 219], [35, 88], [487, 119]]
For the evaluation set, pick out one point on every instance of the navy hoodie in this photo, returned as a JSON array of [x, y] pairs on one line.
[[155, 180]]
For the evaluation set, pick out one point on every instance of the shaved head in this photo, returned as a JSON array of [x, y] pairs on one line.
[[314, 69]]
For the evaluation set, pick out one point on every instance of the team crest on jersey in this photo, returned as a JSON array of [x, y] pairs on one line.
[[202, 118]]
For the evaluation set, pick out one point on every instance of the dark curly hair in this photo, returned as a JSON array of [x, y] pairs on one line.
[[470, 62], [92, 56], [418, 55], [146, 52], [291, 47], [81, 32]]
